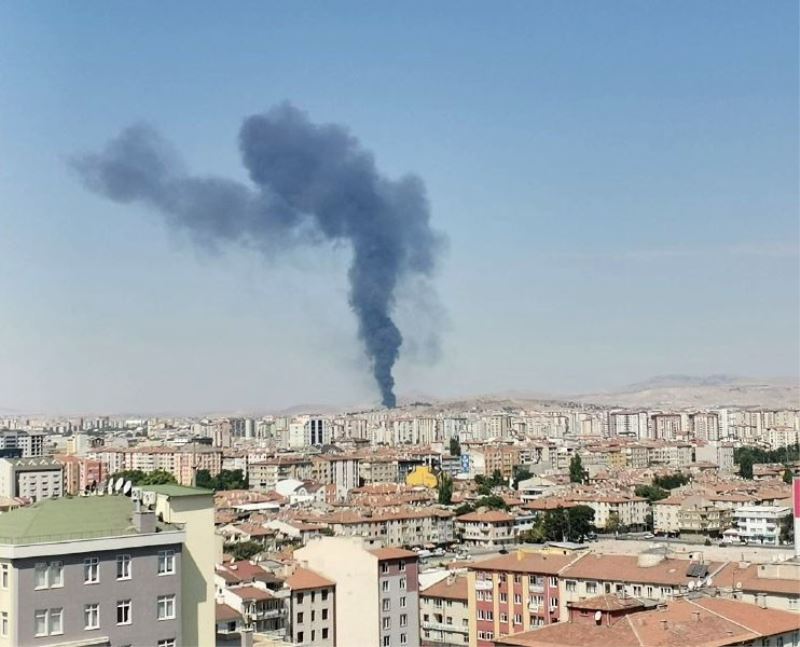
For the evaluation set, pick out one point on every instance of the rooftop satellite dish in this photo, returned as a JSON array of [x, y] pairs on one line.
[[709, 581], [598, 616], [691, 586], [118, 485], [127, 488], [738, 585], [110, 486]]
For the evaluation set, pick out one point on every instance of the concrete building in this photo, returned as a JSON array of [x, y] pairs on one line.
[[32, 478], [312, 608], [31, 444], [91, 571], [377, 598], [760, 524], [444, 609]]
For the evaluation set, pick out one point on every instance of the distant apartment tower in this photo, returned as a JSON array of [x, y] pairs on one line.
[[31, 443], [377, 597], [631, 424], [32, 478], [665, 426], [317, 431], [705, 426]]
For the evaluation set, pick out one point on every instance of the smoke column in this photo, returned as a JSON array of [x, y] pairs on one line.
[[310, 183]]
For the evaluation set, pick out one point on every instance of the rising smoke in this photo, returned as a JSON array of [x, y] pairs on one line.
[[311, 183]]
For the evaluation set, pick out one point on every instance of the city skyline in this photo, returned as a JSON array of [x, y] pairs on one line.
[[610, 216]]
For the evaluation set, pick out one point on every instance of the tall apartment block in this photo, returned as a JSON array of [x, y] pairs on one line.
[[377, 595]]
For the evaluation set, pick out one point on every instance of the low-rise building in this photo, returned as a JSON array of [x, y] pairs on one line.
[[32, 478], [312, 608], [486, 529], [760, 524], [444, 609]]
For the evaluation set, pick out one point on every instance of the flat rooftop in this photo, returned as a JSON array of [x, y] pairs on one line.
[[68, 518]]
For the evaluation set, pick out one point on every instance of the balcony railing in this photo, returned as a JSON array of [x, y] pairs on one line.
[[440, 626]]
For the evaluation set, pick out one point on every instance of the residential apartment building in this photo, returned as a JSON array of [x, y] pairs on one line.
[[444, 609], [761, 524], [629, 511], [90, 571], [377, 597], [649, 575], [400, 526], [312, 608], [32, 478], [30, 443], [486, 529], [513, 593]]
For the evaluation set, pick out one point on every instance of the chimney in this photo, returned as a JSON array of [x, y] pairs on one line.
[[664, 624], [246, 637], [144, 521]]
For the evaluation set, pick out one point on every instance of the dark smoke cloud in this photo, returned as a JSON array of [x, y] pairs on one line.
[[311, 182]]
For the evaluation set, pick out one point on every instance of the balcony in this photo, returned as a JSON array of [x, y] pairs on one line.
[[440, 626], [536, 588], [483, 585]]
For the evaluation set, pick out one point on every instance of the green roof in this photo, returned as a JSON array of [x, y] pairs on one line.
[[177, 490], [68, 518]]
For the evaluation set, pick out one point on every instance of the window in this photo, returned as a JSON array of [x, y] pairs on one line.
[[40, 576], [518, 579], [40, 622], [517, 598], [166, 607], [56, 573], [403, 639], [386, 642], [299, 598], [167, 642], [313, 636], [325, 595], [403, 602], [553, 603], [300, 637], [503, 617], [123, 567], [313, 615], [553, 581], [4, 576], [324, 614], [56, 624], [402, 566], [91, 616], [3, 623], [517, 618], [325, 633], [166, 562], [387, 604], [402, 584], [124, 612], [300, 618], [503, 597], [384, 567], [91, 570], [387, 623], [385, 585], [571, 586], [403, 619]]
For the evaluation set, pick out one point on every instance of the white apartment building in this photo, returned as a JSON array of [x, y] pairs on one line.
[[760, 523], [32, 478]]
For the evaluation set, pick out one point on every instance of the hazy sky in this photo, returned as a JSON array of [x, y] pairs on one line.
[[618, 183]]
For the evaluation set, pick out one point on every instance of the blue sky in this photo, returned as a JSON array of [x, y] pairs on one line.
[[617, 182]]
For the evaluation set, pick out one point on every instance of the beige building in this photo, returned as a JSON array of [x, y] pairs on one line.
[[486, 529], [312, 608], [444, 612], [629, 510]]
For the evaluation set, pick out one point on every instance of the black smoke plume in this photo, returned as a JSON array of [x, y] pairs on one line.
[[311, 183]]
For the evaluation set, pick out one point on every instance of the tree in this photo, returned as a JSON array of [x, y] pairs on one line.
[[138, 477], [497, 478], [613, 524], [493, 502], [580, 520], [535, 535], [225, 480], [243, 549], [445, 489], [455, 447], [787, 529], [746, 467], [521, 474], [788, 475], [651, 492], [671, 481], [555, 524], [576, 472]]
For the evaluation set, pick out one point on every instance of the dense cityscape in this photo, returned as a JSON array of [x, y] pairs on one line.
[[426, 525]]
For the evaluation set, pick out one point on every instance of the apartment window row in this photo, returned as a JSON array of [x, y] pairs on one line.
[[48, 622], [91, 569], [165, 610], [301, 635], [484, 595], [484, 614], [301, 615]]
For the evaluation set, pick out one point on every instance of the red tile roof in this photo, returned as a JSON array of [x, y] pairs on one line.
[[304, 579]]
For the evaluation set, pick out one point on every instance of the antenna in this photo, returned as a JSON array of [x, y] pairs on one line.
[[127, 488]]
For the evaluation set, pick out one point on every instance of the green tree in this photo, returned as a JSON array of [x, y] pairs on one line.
[[203, 478], [788, 475], [576, 472], [555, 524], [787, 529], [497, 478], [138, 477], [445, 489], [535, 535], [746, 467], [243, 549], [671, 481], [651, 492], [613, 524], [455, 447], [493, 502], [521, 474], [580, 522]]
